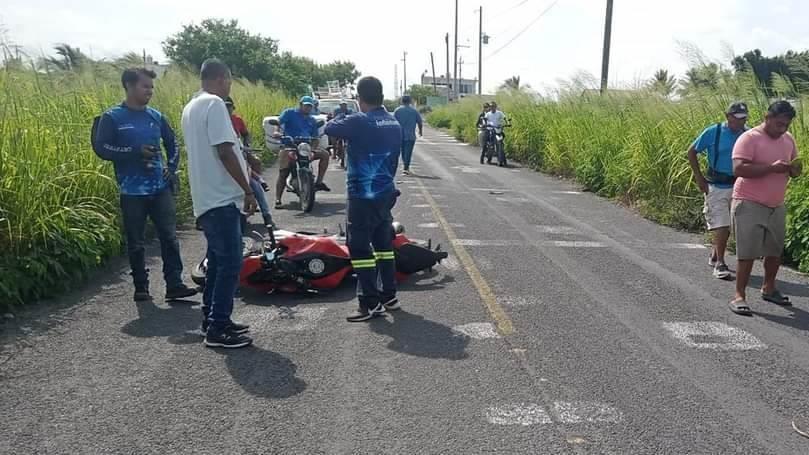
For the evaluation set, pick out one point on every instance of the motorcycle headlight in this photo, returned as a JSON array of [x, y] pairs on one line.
[[304, 149]]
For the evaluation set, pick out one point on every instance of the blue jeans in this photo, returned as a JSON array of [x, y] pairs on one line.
[[370, 241], [161, 210], [223, 231], [255, 185], [407, 153]]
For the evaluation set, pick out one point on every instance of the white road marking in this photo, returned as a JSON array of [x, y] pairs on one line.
[[333, 196], [500, 190], [451, 263], [685, 246], [567, 192], [476, 242], [284, 319], [563, 230], [525, 415], [421, 206], [428, 225], [467, 169], [517, 301], [713, 335], [477, 330], [574, 244], [578, 412]]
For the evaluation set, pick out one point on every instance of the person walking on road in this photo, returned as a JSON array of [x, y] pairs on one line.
[[408, 117], [716, 184], [220, 192], [129, 135], [764, 159], [374, 142]]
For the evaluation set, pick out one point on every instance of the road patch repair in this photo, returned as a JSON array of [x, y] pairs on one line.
[[477, 330], [713, 335], [563, 412]]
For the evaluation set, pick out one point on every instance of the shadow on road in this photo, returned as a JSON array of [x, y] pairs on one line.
[[322, 210], [263, 373], [787, 288], [425, 281], [155, 321], [426, 177], [799, 319], [344, 293], [416, 336]]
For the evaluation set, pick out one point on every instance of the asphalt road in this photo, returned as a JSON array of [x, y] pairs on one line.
[[562, 323]]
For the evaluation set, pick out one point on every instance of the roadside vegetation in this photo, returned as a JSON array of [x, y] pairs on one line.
[[631, 145], [59, 214]]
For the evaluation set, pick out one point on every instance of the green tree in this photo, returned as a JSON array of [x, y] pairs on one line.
[[249, 56], [512, 83], [663, 83], [419, 93], [67, 58]]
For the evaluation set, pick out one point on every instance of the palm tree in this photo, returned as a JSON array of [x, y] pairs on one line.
[[68, 58], [130, 59], [663, 83], [512, 83]]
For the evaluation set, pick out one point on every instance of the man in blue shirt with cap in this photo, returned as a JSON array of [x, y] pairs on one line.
[[129, 135], [716, 184], [374, 141], [408, 118], [300, 123]]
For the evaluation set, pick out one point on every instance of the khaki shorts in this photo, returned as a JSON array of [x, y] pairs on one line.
[[760, 230], [283, 157], [717, 207]]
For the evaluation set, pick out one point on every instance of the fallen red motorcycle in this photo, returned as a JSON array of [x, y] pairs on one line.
[[306, 262]]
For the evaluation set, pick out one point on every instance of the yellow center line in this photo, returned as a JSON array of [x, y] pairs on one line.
[[496, 311]]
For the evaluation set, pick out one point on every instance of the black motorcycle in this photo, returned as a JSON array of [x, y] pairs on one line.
[[301, 179], [495, 144]]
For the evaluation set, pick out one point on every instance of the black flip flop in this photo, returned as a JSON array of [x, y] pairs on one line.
[[777, 298], [739, 306]]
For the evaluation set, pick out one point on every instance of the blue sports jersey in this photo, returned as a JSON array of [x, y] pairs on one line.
[[122, 133], [408, 118], [339, 113], [297, 124], [374, 141]]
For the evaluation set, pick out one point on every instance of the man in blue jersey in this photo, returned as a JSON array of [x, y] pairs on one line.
[[374, 141], [129, 135], [300, 123], [408, 118], [717, 142]]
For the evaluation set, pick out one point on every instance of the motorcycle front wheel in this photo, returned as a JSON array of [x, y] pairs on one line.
[[307, 192]]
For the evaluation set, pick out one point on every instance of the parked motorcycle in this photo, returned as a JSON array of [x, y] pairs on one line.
[[305, 262], [301, 179]]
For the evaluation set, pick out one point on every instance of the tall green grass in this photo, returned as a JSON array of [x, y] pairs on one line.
[[59, 215], [632, 147]]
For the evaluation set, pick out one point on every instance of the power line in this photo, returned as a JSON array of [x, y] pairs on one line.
[[530, 24], [502, 13]]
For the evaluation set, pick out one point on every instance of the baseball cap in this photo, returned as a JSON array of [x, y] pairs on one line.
[[308, 100], [229, 101], [343, 102], [738, 110]]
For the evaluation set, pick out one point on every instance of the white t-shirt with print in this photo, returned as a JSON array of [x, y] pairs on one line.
[[206, 124]]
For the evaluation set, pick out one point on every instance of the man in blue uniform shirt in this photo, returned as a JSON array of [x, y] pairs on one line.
[[374, 141], [129, 135], [409, 118]]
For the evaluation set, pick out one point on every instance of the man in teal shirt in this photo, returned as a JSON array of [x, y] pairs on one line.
[[717, 142], [408, 118]]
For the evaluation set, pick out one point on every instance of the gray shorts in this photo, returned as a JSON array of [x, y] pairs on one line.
[[760, 230]]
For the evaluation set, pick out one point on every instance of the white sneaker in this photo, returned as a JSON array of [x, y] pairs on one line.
[[721, 272]]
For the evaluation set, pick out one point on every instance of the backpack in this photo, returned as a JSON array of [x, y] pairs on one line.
[[712, 175]]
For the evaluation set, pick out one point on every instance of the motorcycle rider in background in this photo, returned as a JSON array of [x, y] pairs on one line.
[[497, 119], [483, 135], [300, 123]]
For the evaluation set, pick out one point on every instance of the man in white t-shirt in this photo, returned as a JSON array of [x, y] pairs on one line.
[[220, 192]]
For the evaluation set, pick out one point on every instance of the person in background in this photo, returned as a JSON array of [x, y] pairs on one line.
[[764, 159], [300, 123], [374, 143], [341, 111], [408, 118], [257, 183], [221, 193], [497, 119], [129, 135], [483, 134], [717, 142]]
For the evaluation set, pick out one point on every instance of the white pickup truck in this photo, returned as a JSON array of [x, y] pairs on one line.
[[327, 107]]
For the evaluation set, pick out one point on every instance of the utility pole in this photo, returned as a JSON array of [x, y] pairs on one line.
[[446, 39], [455, 70], [396, 81], [605, 60], [432, 63], [480, 53], [404, 77]]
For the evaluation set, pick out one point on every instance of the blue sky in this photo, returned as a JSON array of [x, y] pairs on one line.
[[373, 33]]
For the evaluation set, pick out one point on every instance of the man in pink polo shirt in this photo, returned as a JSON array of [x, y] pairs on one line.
[[764, 158]]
